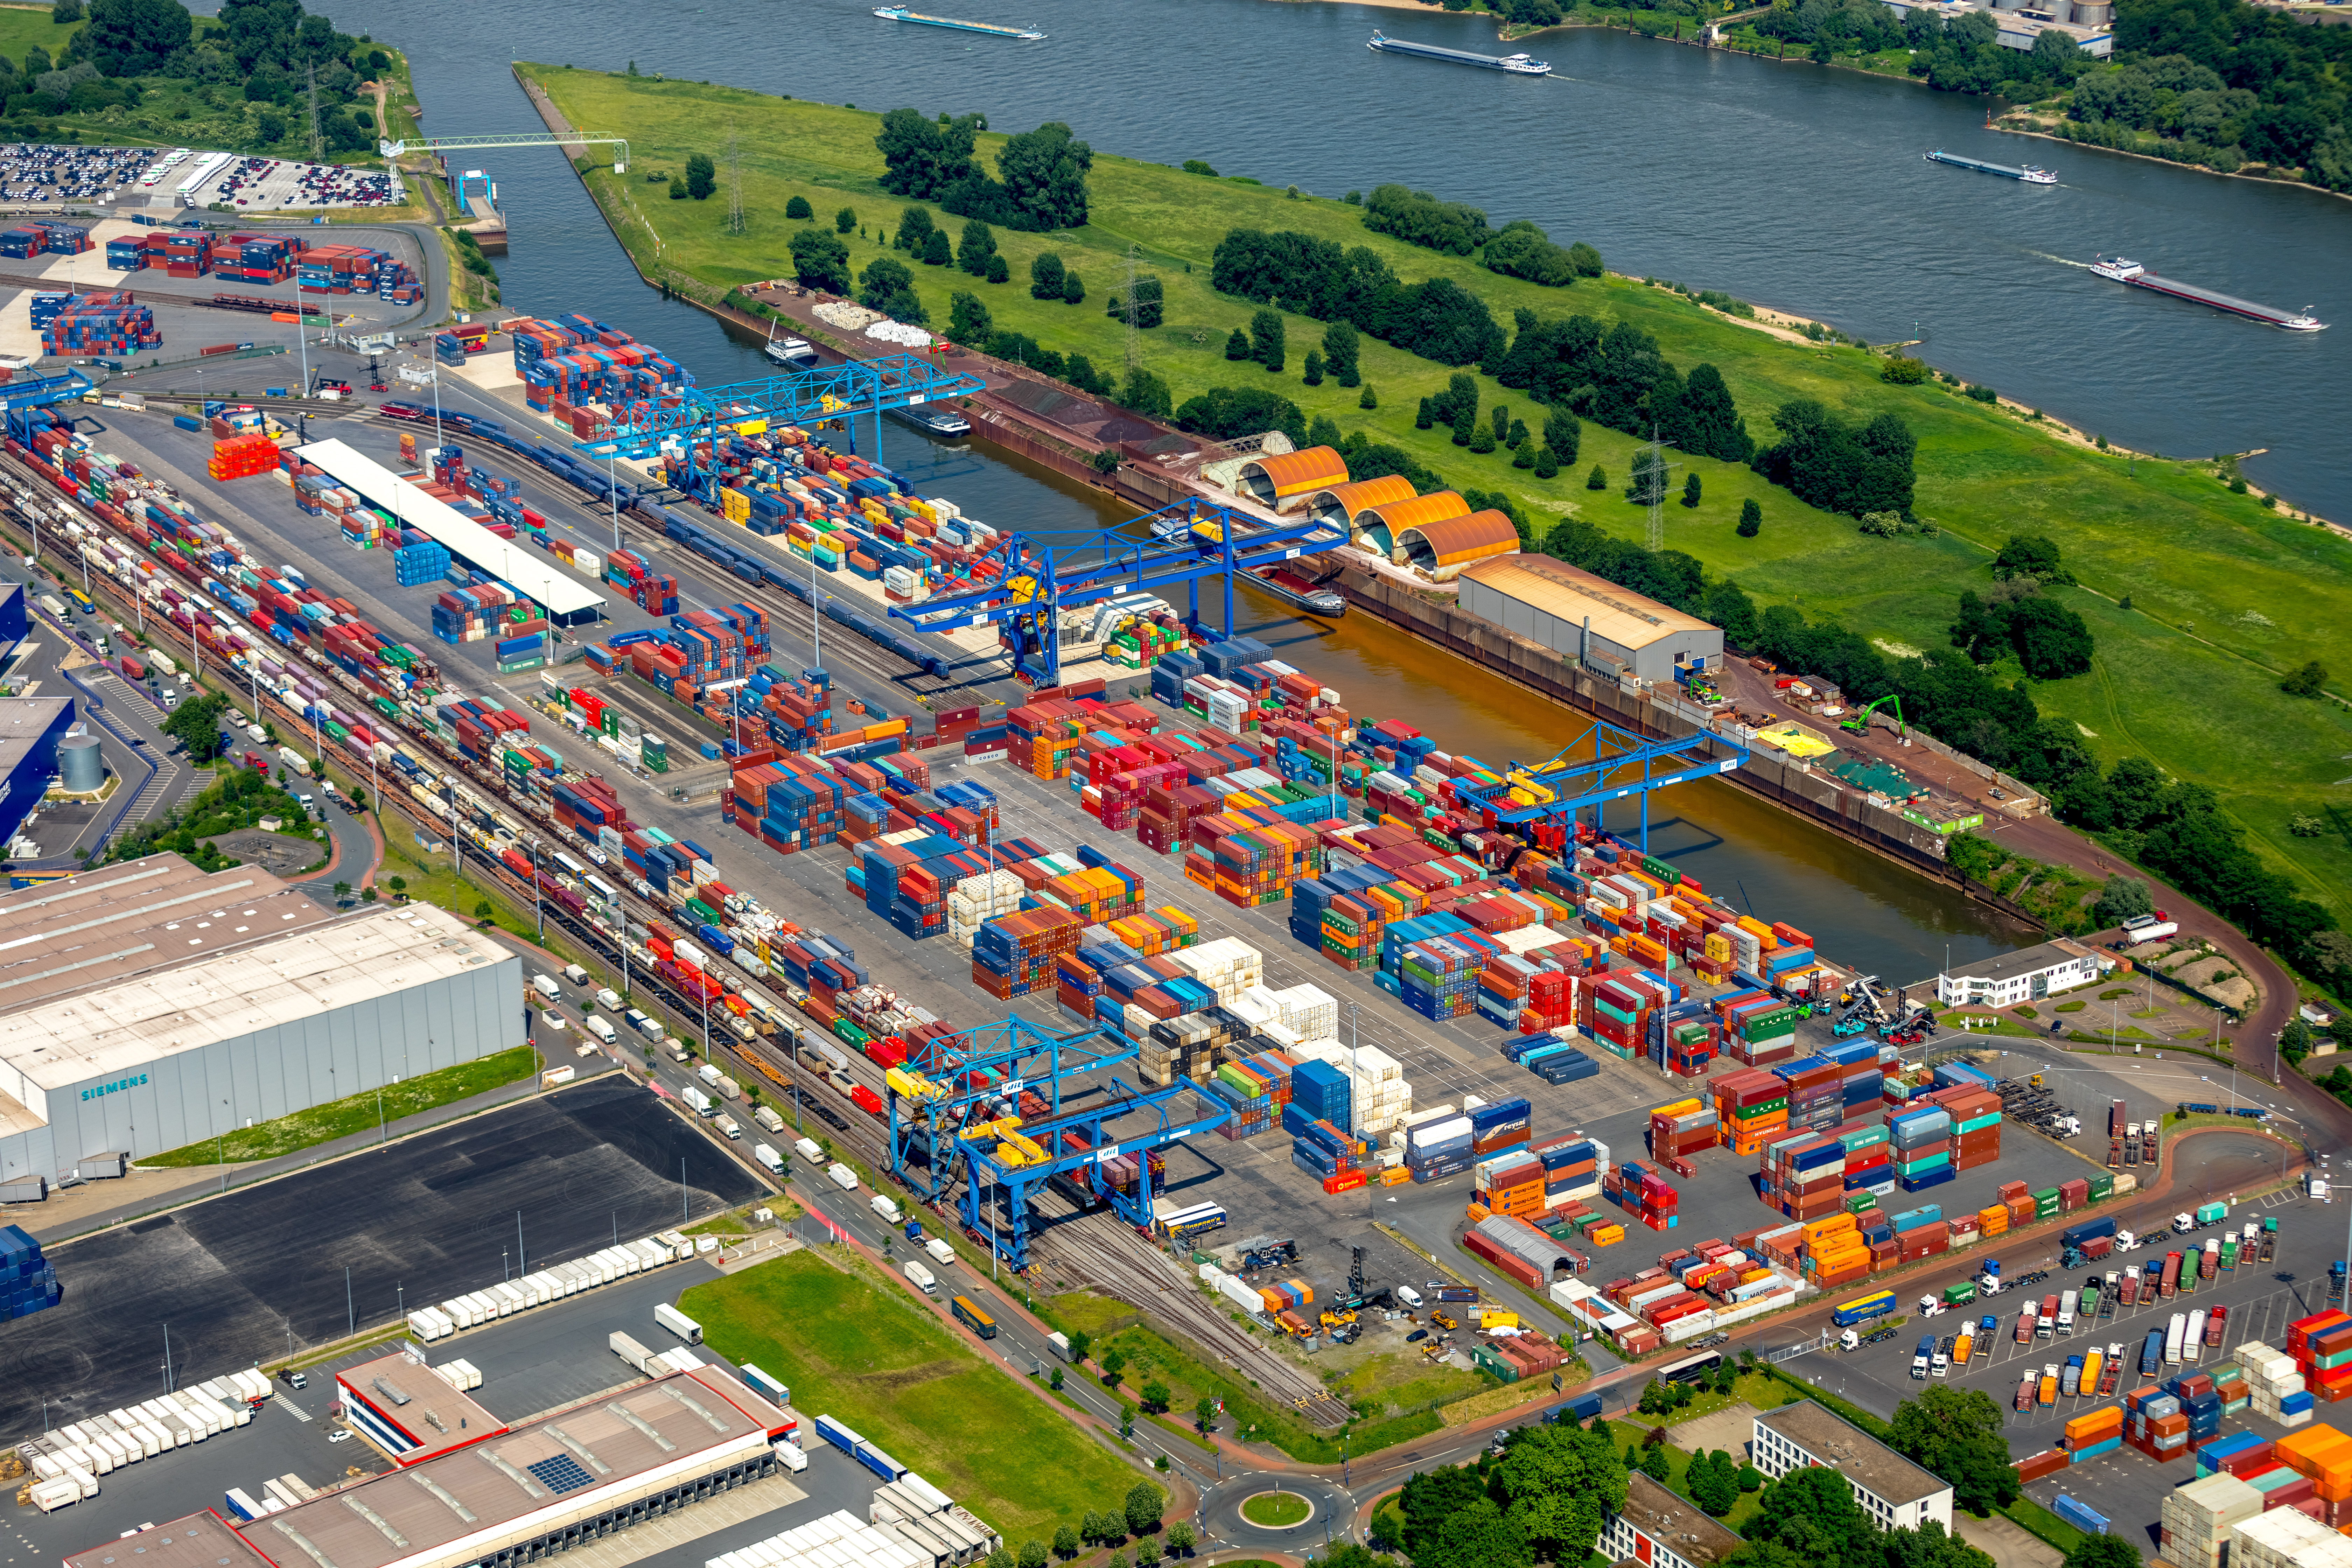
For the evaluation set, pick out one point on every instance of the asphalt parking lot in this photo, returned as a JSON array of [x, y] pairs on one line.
[[278, 184], [50, 172], [2262, 1300], [244, 1277]]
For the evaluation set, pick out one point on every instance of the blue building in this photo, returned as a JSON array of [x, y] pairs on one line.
[[30, 728], [16, 624]]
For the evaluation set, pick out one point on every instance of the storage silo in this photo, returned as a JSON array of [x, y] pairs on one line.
[[80, 763]]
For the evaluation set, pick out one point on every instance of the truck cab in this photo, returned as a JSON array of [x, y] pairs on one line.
[[2046, 1321], [1940, 1363], [1923, 1356]]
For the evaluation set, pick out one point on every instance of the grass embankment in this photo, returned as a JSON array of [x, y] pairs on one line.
[[1385, 1400], [355, 1114], [2225, 595], [873, 1359]]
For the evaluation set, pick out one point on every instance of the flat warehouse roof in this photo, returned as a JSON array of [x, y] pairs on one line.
[[2025, 961], [1834, 1441], [209, 996], [528, 571]]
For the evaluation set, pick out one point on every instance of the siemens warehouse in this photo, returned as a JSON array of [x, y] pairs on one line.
[[148, 1006]]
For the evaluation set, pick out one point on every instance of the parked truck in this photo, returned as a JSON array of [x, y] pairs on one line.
[[730, 1126], [769, 1158], [768, 1120], [629, 1350], [888, 1210], [922, 1278], [678, 1323], [701, 1103]]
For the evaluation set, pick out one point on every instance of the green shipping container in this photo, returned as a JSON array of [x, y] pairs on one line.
[[2045, 1203], [2102, 1185]]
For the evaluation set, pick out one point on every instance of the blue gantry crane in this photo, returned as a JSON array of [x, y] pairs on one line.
[[846, 392], [1605, 763], [943, 1109], [1047, 572], [19, 397]]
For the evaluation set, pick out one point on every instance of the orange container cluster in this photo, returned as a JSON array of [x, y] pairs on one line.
[[242, 458]]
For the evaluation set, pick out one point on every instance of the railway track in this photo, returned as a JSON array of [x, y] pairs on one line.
[[1110, 1257]]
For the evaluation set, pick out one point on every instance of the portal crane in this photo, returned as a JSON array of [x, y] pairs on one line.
[[1046, 574], [1605, 763]]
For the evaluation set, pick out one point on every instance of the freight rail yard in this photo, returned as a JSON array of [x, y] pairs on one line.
[[1339, 1003]]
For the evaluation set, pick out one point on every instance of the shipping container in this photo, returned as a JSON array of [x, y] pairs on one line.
[[678, 1323]]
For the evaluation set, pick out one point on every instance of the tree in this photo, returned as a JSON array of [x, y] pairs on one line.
[[821, 261], [1478, 1536], [1114, 1362], [1204, 1413], [1341, 348], [998, 272], [1838, 467], [1598, 479], [2030, 555], [1751, 1480], [887, 285], [66, 11], [844, 221], [1066, 1542], [1146, 394], [196, 725], [968, 323], [1237, 345], [977, 248], [2123, 898], [1044, 173], [1147, 1551], [2052, 641], [701, 176], [1751, 519], [1957, 1435], [798, 207], [1703, 420], [1073, 290], [1000, 1558], [1713, 1483], [342, 892], [1311, 373], [924, 157], [1657, 1466], [915, 230], [1032, 1554], [1691, 491], [1430, 1498], [1046, 275], [1267, 338], [1547, 463], [132, 37], [483, 912], [1155, 1397], [1562, 432], [1812, 1511], [1559, 1481], [1144, 1503], [2307, 681], [1151, 302], [1054, 1379], [1179, 1538], [677, 185], [936, 251], [399, 886]]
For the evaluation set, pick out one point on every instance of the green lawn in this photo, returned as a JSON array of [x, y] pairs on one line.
[[1249, 1415], [868, 1355], [2224, 596], [357, 1113], [1271, 1510], [22, 26]]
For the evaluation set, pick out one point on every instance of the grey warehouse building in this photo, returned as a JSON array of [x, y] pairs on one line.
[[1611, 630], [148, 1006]]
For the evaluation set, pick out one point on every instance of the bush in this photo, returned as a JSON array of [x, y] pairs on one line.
[[701, 176], [1751, 519], [821, 260], [845, 220], [798, 208], [1419, 218], [1074, 292], [1598, 479], [1983, 393], [1226, 413], [1904, 372]]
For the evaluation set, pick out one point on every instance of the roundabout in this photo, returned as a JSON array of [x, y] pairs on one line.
[[1277, 1512]]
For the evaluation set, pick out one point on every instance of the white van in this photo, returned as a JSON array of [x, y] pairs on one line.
[[1407, 1297]]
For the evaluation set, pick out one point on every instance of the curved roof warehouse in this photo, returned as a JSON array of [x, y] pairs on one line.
[[1340, 503], [1285, 480], [1454, 542], [136, 998]]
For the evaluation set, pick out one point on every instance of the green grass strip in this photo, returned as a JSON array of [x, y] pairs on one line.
[[354, 1114]]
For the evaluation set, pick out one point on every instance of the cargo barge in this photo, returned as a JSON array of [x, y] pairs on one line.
[[901, 14], [1515, 65], [2030, 174], [1299, 592], [2123, 269]]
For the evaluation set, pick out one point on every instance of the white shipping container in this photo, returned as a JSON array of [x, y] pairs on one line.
[[421, 1324]]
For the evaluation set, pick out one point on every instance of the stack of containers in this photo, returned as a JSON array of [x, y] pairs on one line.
[[242, 458], [2285, 1538], [1922, 1147], [1683, 1129], [1759, 1030], [1803, 1175], [1572, 1168], [2323, 1455], [1753, 1107], [1835, 1253], [2155, 1423], [1014, 955], [1510, 1184], [417, 560], [99, 324], [29, 1282], [1323, 1093], [2274, 1385], [2321, 1345], [1816, 1093], [1498, 1129], [2099, 1432], [1439, 1147], [1645, 1194]]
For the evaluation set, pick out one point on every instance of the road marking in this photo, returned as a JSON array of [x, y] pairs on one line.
[[293, 1409]]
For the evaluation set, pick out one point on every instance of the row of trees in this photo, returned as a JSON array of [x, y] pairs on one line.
[[1436, 319], [1617, 376], [1041, 174]]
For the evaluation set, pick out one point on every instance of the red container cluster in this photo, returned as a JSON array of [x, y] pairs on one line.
[[1642, 1192], [1620, 1008], [242, 458], [655, 592], [2321, 1346], [339, 269]]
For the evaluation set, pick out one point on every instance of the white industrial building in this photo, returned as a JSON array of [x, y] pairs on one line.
[[496, 1498], [1610, 630], [2026, 975], [2086, 24], [148, 1006], [1895, 1493]]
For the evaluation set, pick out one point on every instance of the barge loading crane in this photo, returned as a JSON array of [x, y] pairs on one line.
[[1604, 763], [1046, 574]]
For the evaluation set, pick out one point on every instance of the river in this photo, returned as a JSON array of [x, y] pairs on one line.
[[1677, 193]]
